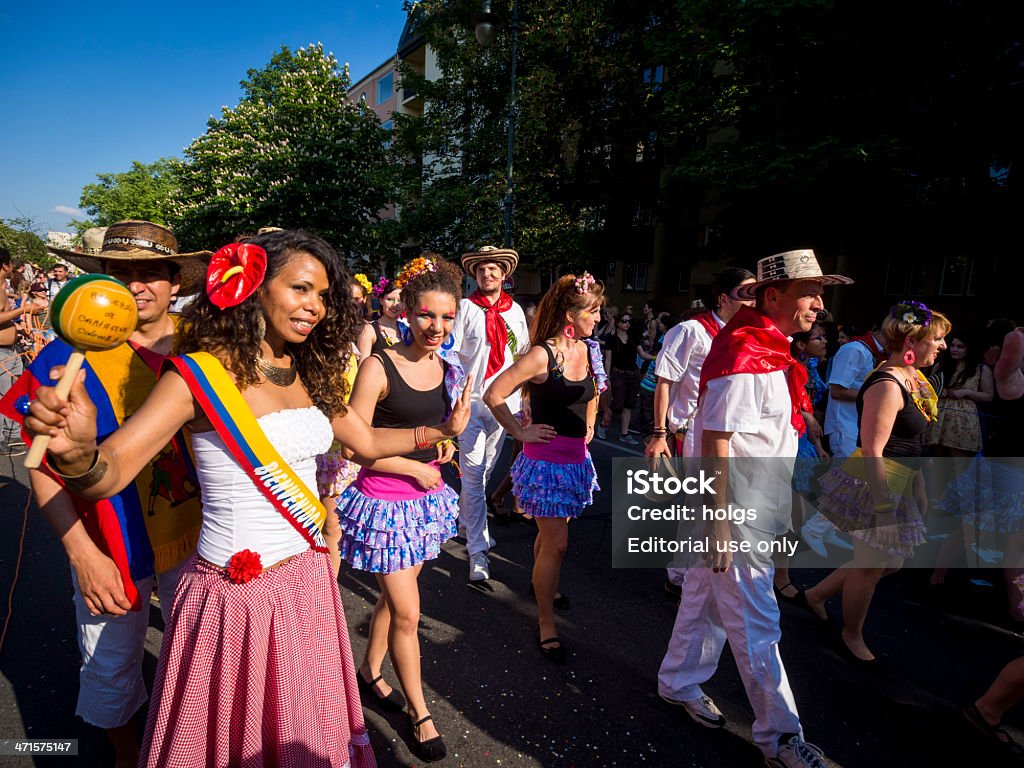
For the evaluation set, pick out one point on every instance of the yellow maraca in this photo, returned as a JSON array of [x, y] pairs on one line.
[[91, 313]]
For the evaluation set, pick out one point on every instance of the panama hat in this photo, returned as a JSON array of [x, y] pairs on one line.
[[139, 241], [784, 267], [506, 258]]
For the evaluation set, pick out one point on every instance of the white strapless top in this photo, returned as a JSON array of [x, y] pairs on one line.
[[236, 515]]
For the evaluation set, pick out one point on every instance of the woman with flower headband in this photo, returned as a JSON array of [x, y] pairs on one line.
[[399, 511], [386, 330], [877, 495], [256, 665], [554, 478]]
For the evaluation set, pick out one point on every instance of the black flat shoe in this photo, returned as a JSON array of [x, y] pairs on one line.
[[431, 750], [995, 734], [791, 599], [800, 599], [394, 701], [561, 602], [865, 665], [550, 651]]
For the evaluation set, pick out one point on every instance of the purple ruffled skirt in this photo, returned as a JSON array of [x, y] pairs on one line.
[[554, 488], [385, 535]]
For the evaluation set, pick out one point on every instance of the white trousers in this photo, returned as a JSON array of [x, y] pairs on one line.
[[110, 684], [739, 606], [479, 447]]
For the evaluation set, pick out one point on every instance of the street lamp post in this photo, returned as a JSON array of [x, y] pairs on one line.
[[486, 26]]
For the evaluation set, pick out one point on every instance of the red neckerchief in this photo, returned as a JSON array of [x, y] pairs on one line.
[[497, 331], [709, 321], [877, 353], [751, 343]]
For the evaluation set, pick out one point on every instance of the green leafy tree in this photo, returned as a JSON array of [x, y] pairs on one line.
[[293, 153], [18, 235], [147, 192]]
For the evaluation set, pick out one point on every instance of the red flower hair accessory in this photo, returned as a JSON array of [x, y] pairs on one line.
[[244, 566], [235, 272]]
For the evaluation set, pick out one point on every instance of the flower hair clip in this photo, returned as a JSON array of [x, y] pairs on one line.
[[584, 283], [364, 283], [378, 289], [417, 266], [234, 273], [912, 312]]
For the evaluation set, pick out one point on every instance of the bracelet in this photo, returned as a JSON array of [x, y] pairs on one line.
[[420, 436], [884, 507], [660, 432], [87, 479]]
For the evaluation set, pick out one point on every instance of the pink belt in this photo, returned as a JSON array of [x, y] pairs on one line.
[[561, 450]]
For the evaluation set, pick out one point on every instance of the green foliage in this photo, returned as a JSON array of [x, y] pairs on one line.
[[145, 192], [293, 153], [17, 236]]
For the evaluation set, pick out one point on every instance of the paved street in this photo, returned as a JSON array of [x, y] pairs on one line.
[[499, 703]]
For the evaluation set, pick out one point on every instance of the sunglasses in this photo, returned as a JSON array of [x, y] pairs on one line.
[[627, 321]]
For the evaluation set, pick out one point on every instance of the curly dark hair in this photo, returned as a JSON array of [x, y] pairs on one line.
[[446, 278], [563, 296], [232, 334]]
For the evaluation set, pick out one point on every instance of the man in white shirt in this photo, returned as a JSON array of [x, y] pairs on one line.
[[752, 393], [60, 279], [678, 368], [490, 332], [852, 364]]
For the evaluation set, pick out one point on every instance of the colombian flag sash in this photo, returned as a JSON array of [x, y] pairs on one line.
[[233, 420]]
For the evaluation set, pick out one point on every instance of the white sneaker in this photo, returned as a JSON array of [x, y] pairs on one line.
[[833, 539], [479, 567], [628, 439], [703, 711], [794, 752], [814, 540]]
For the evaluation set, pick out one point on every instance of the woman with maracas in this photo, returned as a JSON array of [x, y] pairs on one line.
[[256, 664]]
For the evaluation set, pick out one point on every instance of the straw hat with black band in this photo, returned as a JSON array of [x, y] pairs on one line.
[[505, 258], [142, 241], [786, 267]]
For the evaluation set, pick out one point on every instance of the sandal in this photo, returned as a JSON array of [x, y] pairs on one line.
[[800, 599], [995, 734], [781, 594], [551, 652]]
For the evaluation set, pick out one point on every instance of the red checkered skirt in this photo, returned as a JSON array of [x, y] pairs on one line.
[[257, 674]]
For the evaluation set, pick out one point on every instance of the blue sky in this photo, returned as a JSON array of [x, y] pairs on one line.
[[87, 88]]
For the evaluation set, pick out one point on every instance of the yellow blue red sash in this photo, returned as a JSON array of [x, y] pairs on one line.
[[233, 420]]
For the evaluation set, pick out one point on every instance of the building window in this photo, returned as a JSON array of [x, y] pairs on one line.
[[385, 87], [609, 275], [955, 273], [654, 77], [634, 277]]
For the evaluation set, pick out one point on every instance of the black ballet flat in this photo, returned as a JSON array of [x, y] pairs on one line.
[[551, 652], [561, 602], [394, 701], [873, 666], [800, 599], [431, 750]]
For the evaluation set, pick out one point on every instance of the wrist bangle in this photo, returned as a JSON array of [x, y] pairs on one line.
[[884, 507], [87, 479], [420, 436]]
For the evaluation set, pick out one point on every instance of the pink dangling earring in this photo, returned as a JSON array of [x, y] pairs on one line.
[[569, 332], [909, 358]]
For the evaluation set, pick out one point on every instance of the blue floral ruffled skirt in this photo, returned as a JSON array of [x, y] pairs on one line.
[[546, 489]]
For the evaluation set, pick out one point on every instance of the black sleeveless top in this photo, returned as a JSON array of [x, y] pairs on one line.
[[380, 342], [907, 429], [560, 402], [405, 407]]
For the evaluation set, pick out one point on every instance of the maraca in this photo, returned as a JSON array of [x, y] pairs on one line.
[[91, 313]]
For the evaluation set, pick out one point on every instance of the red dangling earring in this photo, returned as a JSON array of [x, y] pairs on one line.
[[569, 332], [909, 358]]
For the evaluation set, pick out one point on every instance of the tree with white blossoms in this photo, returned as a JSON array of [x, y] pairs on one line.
[[293, 153]]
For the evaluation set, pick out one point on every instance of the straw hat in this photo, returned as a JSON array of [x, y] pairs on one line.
[[505, 258], [139, 241], [783, 267]]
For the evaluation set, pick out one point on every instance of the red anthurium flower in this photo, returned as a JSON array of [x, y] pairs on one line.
[[235, 271], [244, 566]]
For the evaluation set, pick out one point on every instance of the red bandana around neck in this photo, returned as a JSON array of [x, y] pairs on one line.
[[710, 322], [497, 331], [751, 343], [877, 353]]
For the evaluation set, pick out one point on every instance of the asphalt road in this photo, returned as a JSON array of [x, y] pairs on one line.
[[499, 703]]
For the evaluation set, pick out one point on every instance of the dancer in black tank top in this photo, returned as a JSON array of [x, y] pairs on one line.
[[894, 406], [399, 511], [554, 478]]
